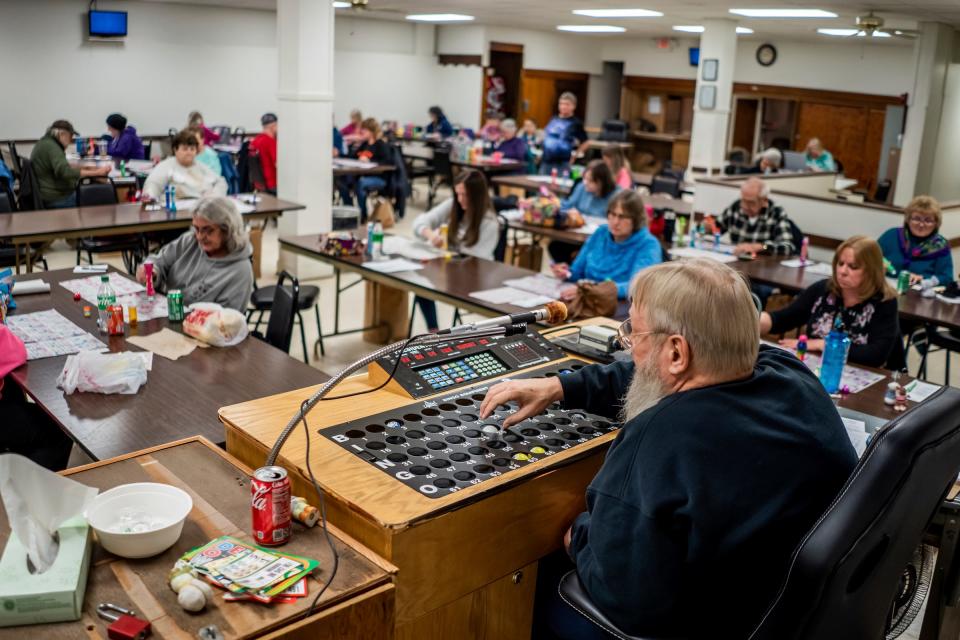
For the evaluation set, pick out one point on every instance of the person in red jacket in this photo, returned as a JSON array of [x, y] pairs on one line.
[[265, 145]]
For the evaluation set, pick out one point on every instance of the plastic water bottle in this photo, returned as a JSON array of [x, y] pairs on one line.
[[369, 249], [173, 198], [834, 357], [106, 298], [669, 226], [377, 251]]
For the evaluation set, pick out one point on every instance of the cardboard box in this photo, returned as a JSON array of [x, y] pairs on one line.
[[55, 595]]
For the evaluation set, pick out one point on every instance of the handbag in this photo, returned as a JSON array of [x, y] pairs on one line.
[[593, 299]]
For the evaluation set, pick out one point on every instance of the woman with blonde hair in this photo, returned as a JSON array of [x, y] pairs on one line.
[[918, 247], [372, 148], [614, 158], [856, 294], [195, 119]]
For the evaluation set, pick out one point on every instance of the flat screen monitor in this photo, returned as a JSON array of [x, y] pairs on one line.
[[794, 161], [108, 24], [694, 56]]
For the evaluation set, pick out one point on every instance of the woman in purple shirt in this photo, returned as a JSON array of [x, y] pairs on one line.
[[125, 144], [509, 144]]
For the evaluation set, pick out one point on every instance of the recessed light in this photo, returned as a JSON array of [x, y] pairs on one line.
[[784, 13], [696, 28], [851, 32], [591, 28], [618, 13], [439, 17], [341, 5]]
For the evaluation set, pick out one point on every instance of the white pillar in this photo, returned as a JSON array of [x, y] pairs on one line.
[[932, 54], [305, 140], [708, 140]]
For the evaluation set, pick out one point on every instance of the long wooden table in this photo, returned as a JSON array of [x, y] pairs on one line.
[[531, 184], [24, 227], [359, 602], [449, 281], [180, 397], [340, 169], [912, 305]]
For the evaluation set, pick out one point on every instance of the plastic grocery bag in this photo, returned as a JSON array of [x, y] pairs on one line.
[[211, 323], [103, 373]]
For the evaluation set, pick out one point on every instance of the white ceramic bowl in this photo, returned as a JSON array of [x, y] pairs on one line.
[[159, 508]]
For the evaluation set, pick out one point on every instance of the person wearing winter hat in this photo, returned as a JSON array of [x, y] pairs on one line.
[[125, 144]]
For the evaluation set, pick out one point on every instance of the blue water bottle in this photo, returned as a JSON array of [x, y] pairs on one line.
[[834, 357], [80, 147], [166, 197], [173, 198]]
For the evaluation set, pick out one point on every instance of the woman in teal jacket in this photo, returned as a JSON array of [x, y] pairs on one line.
[[616, 251]]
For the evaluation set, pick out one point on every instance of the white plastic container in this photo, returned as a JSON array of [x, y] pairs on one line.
[[139, 520]]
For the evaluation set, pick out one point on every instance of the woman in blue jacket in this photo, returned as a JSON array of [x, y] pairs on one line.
[[918, 247], [439, 123], [616, 250]]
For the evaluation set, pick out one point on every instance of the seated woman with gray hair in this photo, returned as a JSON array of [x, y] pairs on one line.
[[768, 161], [209, 263], [509, 144]]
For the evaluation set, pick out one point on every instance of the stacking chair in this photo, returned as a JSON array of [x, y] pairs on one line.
[[665, 184], [255, 171], [442, 172], [91, 192], [262, 300], [283, 312], [29, 198], [614, 130], [845, 573]]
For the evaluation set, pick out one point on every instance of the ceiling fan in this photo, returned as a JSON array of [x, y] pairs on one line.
[[361, 7], [871, 24]]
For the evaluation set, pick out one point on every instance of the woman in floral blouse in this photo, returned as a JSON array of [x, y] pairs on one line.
[[858, 294]]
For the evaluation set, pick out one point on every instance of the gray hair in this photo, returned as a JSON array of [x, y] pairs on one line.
[[567, 95], [773, 156], [509, 124], [224, 213], [763, 186]]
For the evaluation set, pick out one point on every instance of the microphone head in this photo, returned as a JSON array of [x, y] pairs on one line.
[[556, 312]]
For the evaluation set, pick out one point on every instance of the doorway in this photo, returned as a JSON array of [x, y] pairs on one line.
[[501, 90], [542, 89]]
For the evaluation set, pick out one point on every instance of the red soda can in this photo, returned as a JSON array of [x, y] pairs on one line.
[[270, 503], [115, 322]]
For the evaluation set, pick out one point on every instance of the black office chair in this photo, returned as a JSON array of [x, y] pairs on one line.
[[239, 133], [883, 191], [443, 172], [255, 177], [307, 296], [939, 340], [92, 192], [796, 236], [283, 312], [398, 185], [8, 251], [500, 252], [846, 571], [29, 197], [147, 149], [14, 158], [223, 132], [614, 130], [243, 167], [665, 184]]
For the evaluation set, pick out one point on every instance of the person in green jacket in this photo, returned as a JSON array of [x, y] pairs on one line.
[[56, 178]]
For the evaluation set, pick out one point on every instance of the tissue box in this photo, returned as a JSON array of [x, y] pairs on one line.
[[53, 596]]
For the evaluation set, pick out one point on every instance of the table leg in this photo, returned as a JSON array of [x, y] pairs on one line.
[[29, 259], [16, 258], [387, 307]]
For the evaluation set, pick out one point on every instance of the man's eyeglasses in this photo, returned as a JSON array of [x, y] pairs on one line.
[[626, 336]]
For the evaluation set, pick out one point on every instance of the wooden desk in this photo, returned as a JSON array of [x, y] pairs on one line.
[[488, 166], [466, 561], [912, 306], [116, 219], [448, 281], [531, 185], [180, 397], [359, 602]]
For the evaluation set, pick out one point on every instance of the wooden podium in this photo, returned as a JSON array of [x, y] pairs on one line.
[[466, 561]]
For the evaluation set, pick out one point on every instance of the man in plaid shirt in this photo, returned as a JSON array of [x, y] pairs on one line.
[[757, 225]]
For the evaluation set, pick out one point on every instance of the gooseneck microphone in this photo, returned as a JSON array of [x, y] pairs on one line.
[[553, 313]]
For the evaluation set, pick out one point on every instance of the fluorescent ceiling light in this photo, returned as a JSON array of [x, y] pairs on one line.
[[618, 13], [696, 28], [439, 17], [591, 28], [341, 5], [783, 13], [851, 32]]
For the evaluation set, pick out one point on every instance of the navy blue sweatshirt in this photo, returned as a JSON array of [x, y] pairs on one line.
[[692, 519]]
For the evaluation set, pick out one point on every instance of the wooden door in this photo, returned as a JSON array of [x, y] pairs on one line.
[[854, 135], [541, 89], [745, 125]]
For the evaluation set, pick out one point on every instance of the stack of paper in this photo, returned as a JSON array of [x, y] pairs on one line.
[[411, 249], [691, 252], [396, 265], [46, 334], [509, 295], [539, 284], [250, 572]]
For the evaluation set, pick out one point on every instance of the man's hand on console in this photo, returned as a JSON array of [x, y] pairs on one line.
[[533, 396]]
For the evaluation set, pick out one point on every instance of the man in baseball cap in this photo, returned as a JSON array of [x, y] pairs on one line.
[[56, 178]]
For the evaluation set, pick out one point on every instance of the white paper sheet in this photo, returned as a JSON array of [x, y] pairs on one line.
[[26, 287], [820, 269], [396, 265], [794, 263], [90, 268], [541, 285], [918, 390], [509, 295], [857, 432], [690, 252], [410, 249]]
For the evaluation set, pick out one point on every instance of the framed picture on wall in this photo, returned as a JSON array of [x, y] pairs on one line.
[[710, 68], [708, 97]]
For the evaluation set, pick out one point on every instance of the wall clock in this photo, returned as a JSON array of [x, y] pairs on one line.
[[766, 54]]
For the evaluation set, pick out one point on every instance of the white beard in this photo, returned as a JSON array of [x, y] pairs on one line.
[[646, 390]]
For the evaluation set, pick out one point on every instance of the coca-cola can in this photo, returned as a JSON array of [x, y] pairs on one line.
[[270, 505]]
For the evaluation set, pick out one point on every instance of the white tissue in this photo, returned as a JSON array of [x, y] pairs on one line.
[[38, 501]]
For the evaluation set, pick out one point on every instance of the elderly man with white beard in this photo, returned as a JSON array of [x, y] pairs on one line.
[[728, 454]]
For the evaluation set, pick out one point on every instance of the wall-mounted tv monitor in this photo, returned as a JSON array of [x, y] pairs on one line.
[[694, 56], [108, 24]]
